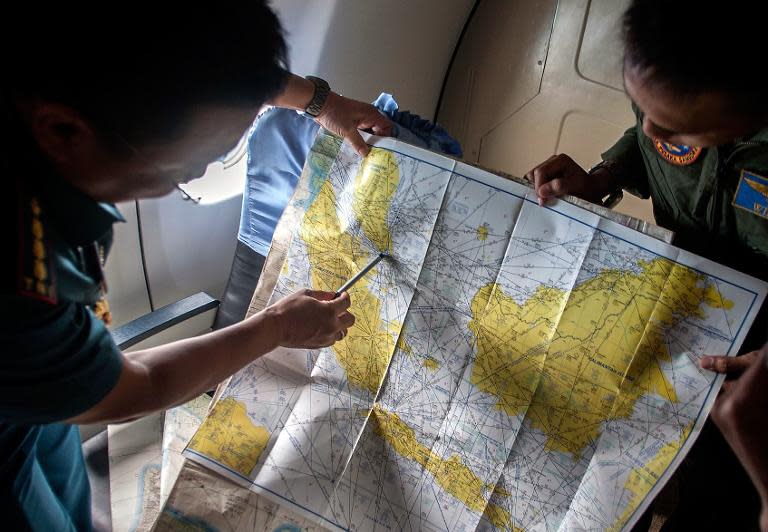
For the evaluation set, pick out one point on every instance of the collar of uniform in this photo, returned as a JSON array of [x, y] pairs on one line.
[[77, 217]]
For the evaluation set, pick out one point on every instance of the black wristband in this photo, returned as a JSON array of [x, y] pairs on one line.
[[612, 199]]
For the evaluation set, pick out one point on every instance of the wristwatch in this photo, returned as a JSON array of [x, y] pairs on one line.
[[322, 89], [613, 198]]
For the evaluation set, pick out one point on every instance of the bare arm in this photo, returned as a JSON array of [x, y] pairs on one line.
[[339, 115], [164, 376], [296, 94], [741, 413]]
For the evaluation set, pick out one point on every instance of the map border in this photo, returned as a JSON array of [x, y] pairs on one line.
[[507, 186]]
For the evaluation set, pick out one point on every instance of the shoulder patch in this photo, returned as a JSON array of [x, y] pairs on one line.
[[36, 276], [752, 194], [677, 154]]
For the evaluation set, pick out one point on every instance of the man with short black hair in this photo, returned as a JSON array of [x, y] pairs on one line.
[[95, 112], [699, 150]]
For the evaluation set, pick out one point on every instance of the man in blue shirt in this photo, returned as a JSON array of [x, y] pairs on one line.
[[94, 114]]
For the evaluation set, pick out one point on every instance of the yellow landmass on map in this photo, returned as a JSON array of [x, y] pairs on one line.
[[375, 186], [336, 255], [569, 373], [428, 362], [482, 232], [451, 474], [403, 346], [230, 437], [643, 478]]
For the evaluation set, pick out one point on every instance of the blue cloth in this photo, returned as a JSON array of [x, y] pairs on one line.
[[415, 130], [277, 148], [44, 485], [278, 145]]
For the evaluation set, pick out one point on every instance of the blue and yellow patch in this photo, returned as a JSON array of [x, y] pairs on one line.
[[678, 154], [752, 193]]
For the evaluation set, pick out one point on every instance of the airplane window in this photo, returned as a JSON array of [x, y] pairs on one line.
[[223, 179]]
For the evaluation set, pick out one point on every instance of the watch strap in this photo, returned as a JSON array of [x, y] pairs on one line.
[[322, 90], [613, 198]]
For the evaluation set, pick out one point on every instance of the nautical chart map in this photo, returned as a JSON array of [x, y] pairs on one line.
[[512, 367]]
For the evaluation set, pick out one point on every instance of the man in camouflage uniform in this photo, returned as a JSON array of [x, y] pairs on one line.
[[699, 150]]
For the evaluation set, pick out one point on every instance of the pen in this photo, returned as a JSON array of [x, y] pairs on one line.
[[346, 286]]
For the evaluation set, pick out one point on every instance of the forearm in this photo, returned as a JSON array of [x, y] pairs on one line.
[[165, 376], [741, 413], [296, 94], [750, 414], [755, 462], [754, 458], [186, 368], [337, 114]]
